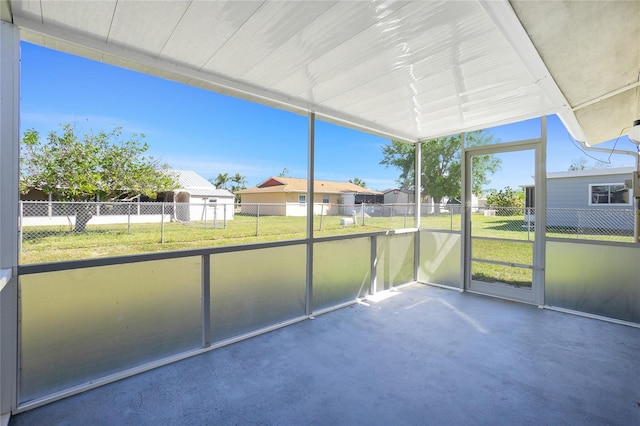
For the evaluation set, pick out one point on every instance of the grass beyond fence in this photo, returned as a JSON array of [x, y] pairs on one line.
[[51, 244]]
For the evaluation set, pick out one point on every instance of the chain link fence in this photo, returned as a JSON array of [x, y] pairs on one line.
[[596, 224], [52, 231], [608, 224]]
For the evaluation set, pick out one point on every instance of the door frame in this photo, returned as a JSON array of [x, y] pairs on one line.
[[536, 294]]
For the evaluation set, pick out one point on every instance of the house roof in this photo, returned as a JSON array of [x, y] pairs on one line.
[[287, 184], [607, 171], [194, 184], [406, 191], [409, 70]]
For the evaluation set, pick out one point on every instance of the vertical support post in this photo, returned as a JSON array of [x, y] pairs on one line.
[[374, 265], [635, 191], [310, 195], [540, 231], [257, 219], [416, 255], [465, 167], [406, 208], [205, 207], [224, 216], [418, 183], [321, 215], [362, 206], [451, 217], [20, 230], [9, 198], [206, 300], [416, 199], [128, 218], [49, 206]]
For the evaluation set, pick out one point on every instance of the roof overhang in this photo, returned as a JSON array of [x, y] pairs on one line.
[[409, 70]]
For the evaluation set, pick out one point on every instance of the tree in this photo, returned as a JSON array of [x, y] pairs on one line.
[[221, 180], [507, 197], [578, 164], [359, 182], [284, 173], [89, 167], [441, 170], [583, 164], [239, 183]]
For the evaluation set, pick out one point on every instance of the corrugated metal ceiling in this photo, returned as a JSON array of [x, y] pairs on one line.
[[406, 69]]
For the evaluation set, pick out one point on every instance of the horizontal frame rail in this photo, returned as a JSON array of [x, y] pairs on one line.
[[497, 262], [507, 240], [146, 257]]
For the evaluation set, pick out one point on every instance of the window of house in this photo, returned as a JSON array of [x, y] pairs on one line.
[[608, 193], [325, 199], [302, 199]]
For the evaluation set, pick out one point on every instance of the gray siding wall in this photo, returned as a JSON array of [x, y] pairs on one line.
[[568, 204], [573, 192]]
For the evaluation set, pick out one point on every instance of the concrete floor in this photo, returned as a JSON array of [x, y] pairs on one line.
[[424, 356]]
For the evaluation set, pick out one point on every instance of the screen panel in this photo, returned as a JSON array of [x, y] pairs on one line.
[[83, 324]]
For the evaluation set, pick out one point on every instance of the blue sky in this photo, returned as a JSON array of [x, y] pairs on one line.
[[194, 129]]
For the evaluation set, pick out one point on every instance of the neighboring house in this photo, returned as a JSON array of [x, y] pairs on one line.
[[196, 199], [205, 201], [594, 198], [284, 196]]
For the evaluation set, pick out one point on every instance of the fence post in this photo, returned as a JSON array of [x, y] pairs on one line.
[[224, 216], [162, 225], [451, 217], [215, 216], [321, 215], [258, 220], [206, 207], [128, 218], [405, 216], [362, 206]]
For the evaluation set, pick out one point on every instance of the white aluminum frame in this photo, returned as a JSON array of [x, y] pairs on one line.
[[9, 177], [536, 294]]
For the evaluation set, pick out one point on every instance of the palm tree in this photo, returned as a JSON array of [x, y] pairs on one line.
[[221, 180], [359, 182], [239, 183], [239, 180]]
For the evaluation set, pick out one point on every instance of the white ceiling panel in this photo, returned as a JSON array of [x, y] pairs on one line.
[[316, 39], [80, 17], [145, 25], [204, 28], [409, 69], [272, 25]]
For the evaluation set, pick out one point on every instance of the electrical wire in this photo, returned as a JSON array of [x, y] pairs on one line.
[[608, 160]]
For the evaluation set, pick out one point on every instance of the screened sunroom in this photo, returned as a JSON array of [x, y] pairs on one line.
[[397, 324]]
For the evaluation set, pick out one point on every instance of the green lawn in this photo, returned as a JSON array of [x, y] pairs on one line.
[[51, 244]]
